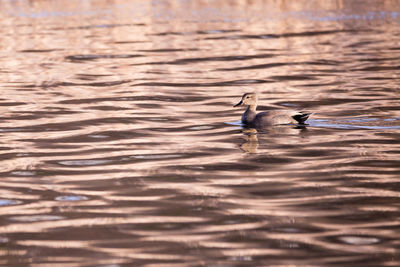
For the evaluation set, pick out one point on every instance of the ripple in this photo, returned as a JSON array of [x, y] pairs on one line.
[[201, 128], [23, 173], [353, 124], [160, 156], [9, 202], [71, 198], [85, 162], [36, 218], [97, 56], [98, 136], [359, 240], [214, 84]]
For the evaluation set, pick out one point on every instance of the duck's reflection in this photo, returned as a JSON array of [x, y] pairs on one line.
[[277, 134], [251, 144]]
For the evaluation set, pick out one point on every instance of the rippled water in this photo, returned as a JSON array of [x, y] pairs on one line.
[[120, 146]]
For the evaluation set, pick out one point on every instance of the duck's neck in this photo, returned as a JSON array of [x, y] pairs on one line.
[[252, 107], [249, 115]]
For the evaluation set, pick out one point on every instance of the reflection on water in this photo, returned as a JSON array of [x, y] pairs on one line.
[[120, 146]]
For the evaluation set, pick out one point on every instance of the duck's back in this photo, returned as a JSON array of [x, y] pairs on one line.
[[275, 117]]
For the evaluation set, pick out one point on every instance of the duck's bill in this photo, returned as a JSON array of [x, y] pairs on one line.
[[238, 104]]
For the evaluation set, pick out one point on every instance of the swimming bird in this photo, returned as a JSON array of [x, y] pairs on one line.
[[268, 118]]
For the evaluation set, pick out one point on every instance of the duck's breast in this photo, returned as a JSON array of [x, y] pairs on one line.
[[248, 117]]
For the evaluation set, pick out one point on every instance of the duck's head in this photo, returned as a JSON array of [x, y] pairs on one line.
[[248, 99]]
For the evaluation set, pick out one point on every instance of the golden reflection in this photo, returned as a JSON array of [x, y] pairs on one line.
[[279, 134], [251, 144]]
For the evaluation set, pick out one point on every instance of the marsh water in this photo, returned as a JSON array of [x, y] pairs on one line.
[[120, 145]]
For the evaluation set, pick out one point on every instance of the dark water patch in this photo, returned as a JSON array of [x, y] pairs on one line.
[[293, 77], [259, 66], [168, 50], [107, 108], [66, 84], [39, 50], [99, 26], [391, 186], [83, 57], [214, 84], [272, 160], [96, 137], [121, 160], [278, 64], [379, 59], [217, 31], [49, 154], [134, 99], [200, 32], [326, 62], [375, 78], [51, 172], [291, 228], [326, 102], [268, 191], [131, 42], [191, 128], [90, 77], [68, 126], [379, 68], [275, 36], [10, 104], [164, 177], [23, 117], [388, 108], [362, 200], [186, 33], [148, 106], [193, 60], [166, 33], [324, 84], [371, 171], [363, 43], [317, 153], [220, 167], [96, 84], [374, 163], [48, 112]]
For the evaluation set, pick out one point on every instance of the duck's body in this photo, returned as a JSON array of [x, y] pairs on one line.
[[268, 118]]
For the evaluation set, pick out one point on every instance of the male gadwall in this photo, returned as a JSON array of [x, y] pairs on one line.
[[268, 118]]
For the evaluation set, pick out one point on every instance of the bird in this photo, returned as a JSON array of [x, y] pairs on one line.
[[268, 118]]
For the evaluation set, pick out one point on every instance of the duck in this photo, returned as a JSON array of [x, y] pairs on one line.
[[268, 118]]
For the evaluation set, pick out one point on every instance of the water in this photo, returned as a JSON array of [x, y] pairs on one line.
[[120, 145]]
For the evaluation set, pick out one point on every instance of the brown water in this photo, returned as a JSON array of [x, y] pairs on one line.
[[120, 146]]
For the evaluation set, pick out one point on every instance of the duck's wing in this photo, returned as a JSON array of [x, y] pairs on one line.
[[275, 117]]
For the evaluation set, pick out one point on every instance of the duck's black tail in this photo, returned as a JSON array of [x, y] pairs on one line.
[[301, 117]]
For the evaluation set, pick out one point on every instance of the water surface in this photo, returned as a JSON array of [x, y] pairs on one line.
[[120, 146]]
